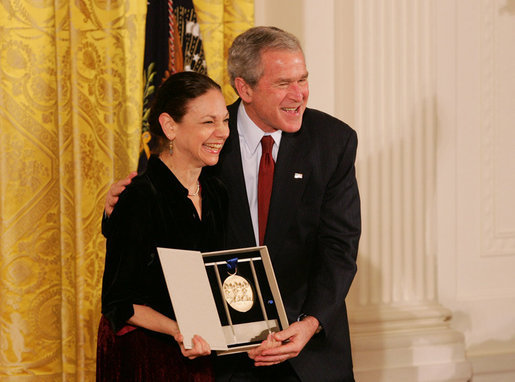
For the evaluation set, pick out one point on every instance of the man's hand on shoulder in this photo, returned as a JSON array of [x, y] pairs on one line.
[[285, 344], [114, 192]]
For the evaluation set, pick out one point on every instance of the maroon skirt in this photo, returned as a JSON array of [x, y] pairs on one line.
[[143, 355]]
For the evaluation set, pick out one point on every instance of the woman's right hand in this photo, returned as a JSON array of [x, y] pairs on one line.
[[199, 348], [148, 318]]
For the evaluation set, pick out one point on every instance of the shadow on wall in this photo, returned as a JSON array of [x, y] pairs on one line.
[[509, 7]]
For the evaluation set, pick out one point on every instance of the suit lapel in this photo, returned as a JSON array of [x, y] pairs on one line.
[[292, 172]]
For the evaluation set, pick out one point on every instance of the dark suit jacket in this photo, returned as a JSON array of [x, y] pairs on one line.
[[312, 233]]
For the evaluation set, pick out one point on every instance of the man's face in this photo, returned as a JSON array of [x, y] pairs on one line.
[[278, 100]]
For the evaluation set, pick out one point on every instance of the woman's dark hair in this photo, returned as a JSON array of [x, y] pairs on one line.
[[173, 97]]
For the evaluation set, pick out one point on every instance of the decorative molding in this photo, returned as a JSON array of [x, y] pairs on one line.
[[398, 317], [495, 240], [493, 367], [433, 354], [407, 343]]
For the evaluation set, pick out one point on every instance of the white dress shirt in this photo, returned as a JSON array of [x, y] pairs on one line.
[[250, 144]]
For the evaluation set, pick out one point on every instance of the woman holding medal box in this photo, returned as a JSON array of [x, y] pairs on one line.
[[174, 204]]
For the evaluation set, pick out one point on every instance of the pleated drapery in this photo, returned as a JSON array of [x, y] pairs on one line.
[[70, 120], [220, 22]]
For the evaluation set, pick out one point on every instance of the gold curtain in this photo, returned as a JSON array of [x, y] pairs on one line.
[[220, 22], [70, 121], [70, 118]]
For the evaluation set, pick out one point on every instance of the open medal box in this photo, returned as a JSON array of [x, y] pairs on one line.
[[229, 298]]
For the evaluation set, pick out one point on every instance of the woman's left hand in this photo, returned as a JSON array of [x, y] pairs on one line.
[[148, 318], [199, 348]]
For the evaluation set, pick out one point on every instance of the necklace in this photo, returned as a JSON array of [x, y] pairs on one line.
[[197, 191]]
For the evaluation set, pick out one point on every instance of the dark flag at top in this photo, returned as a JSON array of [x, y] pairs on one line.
[[172, 44]]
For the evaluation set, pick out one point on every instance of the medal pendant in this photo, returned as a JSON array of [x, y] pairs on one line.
[[238, 293]]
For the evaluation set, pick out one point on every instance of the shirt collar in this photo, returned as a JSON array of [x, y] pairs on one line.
[[251, 133]]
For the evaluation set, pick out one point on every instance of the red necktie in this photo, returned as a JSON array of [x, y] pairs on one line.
[[265, 181]]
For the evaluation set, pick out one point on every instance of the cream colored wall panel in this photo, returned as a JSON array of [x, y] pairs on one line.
[[475, 170], [284, 14], [319, 46], [345, 66], [497, 132], [483, 179]]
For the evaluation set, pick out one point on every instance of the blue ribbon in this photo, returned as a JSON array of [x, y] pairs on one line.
[[232, 264]]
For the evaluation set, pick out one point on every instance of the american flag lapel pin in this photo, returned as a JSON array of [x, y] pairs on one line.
[[297, 175]]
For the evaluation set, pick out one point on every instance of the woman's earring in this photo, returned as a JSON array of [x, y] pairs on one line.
[[171, 147]]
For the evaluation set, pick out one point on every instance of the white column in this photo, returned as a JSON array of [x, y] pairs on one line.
[[399, 330]]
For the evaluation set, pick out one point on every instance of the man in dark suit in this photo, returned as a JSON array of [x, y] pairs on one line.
[[313, 226]]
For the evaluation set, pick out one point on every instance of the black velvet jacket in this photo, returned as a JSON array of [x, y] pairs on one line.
[[155, 211]]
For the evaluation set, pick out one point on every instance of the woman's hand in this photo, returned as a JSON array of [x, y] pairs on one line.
[[199, 346]]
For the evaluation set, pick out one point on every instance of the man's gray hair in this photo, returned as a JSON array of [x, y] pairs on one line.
[[245, 52]]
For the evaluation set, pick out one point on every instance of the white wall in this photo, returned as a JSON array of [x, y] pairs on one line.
[[476, 177]]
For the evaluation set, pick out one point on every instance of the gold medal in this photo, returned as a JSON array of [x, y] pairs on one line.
[[238, 293]]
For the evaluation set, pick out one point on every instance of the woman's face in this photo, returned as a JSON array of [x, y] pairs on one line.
[[200, 135]]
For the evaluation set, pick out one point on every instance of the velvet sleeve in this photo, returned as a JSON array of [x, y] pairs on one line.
[[128, 251], [105, 225]]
